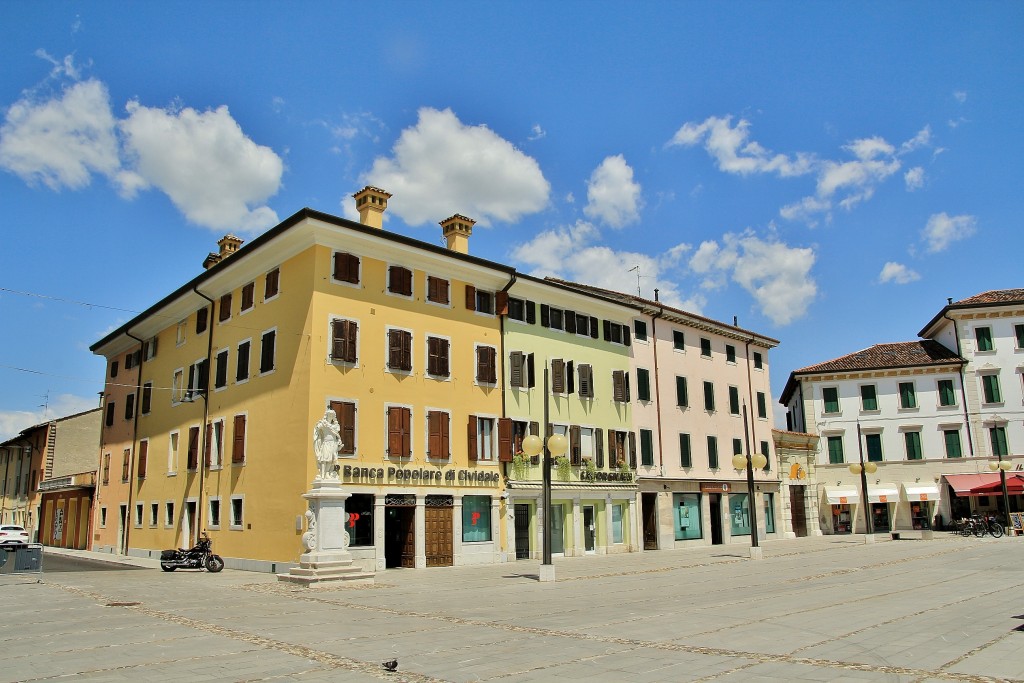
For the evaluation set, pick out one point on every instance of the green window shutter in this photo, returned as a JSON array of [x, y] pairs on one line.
[[997, 435], [713, 452], [873, 442], [868, 397], [643, 385], [709, 396], [908, 399], [835, 450], [762, 406], [767, 456], [682, 399], [734, 401], [983, 335], [830, 395], [646, 447], [952, 437], [913, 442], [990, 385], [1019, 331], [946, 395], [685, 457]]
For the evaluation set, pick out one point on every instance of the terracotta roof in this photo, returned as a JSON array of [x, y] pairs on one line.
[[994, 297], [922, 352], [897, 355]]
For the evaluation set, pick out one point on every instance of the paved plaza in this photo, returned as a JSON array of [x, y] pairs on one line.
[[825, 609]]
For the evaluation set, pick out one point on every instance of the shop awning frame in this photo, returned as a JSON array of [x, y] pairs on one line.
[[842, 495], [920, 492], [886, 492]]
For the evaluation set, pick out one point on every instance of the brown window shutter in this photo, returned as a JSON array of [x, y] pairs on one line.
[[432, 352], [570, 322], [570, 377], [599, 447], [535, 428], [531, 313], [548, 431], [406, 338], [346, 413], [143, 457], [208, 448], [339, 266], [515, 363], [531, 380], [238, 440], [394, 349], [444, 356], [471, 437], [492, 365], [394, 432], [406, 282], [470, 298], [446, 443], [193, 448], [406, 415], [557, 376], [338, 329], [481, 361], [593, 327], [433, 434], [618, 386], [501, 303], [632, 450], [613, 453], [545, 315], [225, 308], [394, 285], [351, 329], [575, 452], [586, 388], [505, 439]]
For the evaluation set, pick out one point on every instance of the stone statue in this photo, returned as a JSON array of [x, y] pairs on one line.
[[326, 442], [309, 538]]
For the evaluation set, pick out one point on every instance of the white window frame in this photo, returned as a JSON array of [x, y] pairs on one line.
[[647, 332], [209, 512], [517, 320], [587, 442], [234, 525], [177, 386], [412, 281], [217, 443], [173, 451], [426, 357], [169, 520], [476, 304], [154, 514], [331, 318], [426, 290], [412, 432], [248, 375], [492, 440], [277, 339], [387, 351], [343, 283], [982, 374], [476, 365], [139, 514], [180, 333]]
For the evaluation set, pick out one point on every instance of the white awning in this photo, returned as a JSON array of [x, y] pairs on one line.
[[886, 492], [914, 492], [842, 495]]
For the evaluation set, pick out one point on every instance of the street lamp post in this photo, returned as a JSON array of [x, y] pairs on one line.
[[750, 461], [554, 446], [1003, 466], [863, 469]]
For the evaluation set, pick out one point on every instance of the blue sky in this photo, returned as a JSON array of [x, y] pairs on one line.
[[827, 172]]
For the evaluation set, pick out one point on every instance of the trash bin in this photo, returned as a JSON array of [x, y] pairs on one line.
[[895, 536]]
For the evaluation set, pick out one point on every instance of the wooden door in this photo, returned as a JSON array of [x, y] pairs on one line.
[[522, 531], [799, 510], [439, 536], [650, 504]]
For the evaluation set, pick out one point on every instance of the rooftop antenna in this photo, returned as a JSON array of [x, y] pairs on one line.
[[46, 403], [637, 269]]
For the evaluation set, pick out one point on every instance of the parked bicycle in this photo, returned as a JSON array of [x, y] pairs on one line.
[[986, 525]]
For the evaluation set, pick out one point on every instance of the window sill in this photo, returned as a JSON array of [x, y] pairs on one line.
[[339, 363], [993, 404], [345, 283], [267, 300], [949, 407], [915, 409]]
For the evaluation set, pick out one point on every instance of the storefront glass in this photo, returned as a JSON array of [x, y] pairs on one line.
[[616, 524], [769, 513], [359, 507], [880, 517], [920, 516], [557, 529], [476, 519], [739, 514], [687, 515], [841, 519]]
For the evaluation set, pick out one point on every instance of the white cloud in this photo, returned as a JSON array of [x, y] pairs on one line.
[[536, 132], [613, 197], [805, 210], [62, 141], [923, 138], [775, 274], [13, 421], [730, 147], [914, 178], [573, 253], [960, 96], [214, 174], [943, 229], [441, 166], [869, 148], [898, 273]]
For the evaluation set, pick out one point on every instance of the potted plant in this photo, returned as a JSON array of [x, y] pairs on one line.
[[563, 466], [521, 465], [589, 470]]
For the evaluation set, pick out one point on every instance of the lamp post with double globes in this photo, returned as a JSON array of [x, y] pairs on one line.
[[1003, 466], [556, 446], [864, 469], [739, 461]]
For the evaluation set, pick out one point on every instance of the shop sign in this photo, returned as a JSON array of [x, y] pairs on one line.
[[843, 500], [714, 487], [883, 499], [418, 476], [614, 476]]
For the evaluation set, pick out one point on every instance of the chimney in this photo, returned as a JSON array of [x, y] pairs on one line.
[[949, 301], [228, 244], [457, 230], [371, 202]]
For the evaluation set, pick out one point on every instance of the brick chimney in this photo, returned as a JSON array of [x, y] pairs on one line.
[[228, 244], [371, 202], [457, 230]]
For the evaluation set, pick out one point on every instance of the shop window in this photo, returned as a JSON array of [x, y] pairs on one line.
[[739, 514], [476, 519], [359, 507], [617, 535], [686, 507]]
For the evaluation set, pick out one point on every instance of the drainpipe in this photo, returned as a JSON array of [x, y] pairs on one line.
[[963, 388], [205, 393], [135, 440], [657, 385], [501, 344]]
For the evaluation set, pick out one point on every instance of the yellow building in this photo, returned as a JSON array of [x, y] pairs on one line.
[[400, 337]]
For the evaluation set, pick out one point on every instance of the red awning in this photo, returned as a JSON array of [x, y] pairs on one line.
[[1014, 486], [964, 483]]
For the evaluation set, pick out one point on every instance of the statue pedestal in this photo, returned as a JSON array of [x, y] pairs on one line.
[[327, 559]]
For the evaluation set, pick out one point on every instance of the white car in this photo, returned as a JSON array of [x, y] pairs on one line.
[[11, 534]]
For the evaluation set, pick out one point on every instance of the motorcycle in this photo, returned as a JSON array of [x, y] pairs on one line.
[[197, 557]]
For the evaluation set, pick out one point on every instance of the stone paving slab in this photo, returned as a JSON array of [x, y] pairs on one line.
[[826, 609]]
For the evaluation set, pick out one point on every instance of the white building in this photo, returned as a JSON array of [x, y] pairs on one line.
[[933, 414]]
